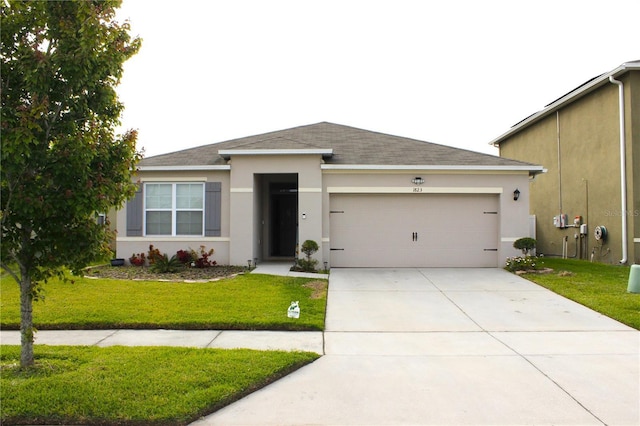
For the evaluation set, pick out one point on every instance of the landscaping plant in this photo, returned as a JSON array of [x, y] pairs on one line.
[[309, 247], [525, 244], [162, 264], [138, 259], [523, 263]]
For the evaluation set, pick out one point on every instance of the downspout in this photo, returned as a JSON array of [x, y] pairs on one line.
[[559, 162], [623, 169]]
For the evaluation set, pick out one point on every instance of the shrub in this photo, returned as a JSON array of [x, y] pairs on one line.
[[523, 263], [186, 257], [137, 259], [308, 248], [153, 254], [163, 264], [202, 260], [525, 244]]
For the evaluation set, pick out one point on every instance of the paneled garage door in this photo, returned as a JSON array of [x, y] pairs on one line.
[[414, 230]]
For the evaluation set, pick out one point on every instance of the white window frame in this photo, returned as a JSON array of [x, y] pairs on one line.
[[174, 210]]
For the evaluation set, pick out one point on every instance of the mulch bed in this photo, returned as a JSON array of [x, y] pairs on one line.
[[145, 273], [535, 271]]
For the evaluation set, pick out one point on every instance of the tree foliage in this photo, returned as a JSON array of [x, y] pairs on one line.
[[62, 162]]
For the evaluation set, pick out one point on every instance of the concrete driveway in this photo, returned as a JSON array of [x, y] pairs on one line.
[[454, 347]]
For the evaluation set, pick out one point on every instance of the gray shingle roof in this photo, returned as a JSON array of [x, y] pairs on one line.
[[351, 146]]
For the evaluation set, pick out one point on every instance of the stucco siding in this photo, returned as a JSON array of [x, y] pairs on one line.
[[579, 145], [633, 118]]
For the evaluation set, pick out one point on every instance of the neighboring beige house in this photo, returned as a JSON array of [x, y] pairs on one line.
[[593, 176], [368, 199]]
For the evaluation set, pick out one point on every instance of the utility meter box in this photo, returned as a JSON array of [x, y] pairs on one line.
[[560, 221]]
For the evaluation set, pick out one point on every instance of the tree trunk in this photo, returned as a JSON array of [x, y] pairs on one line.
[[26, 321]]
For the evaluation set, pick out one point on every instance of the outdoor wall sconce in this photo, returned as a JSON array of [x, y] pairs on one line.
[[417, 180], [516, 195]]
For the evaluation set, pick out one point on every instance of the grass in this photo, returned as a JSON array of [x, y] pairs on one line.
[[597, 286], [246, 302], [133, 386], [150, 385]]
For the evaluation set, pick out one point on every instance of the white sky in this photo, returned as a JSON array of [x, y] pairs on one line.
[[457, 73]]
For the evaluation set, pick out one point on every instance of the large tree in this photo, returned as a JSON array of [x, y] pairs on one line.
[[62, 162]]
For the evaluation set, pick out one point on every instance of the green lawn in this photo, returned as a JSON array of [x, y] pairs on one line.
[[245, 302], [600, 287], [133, 385], [142, 385]]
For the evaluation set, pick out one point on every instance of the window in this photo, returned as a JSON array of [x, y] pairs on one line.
[[174, 208]]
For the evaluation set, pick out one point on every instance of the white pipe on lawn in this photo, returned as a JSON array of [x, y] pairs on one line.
[[623, 169]]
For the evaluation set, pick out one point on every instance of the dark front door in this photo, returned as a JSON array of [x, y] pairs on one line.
[[284, 221]]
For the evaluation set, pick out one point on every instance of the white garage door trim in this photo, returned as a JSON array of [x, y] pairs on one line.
[[412, 190]]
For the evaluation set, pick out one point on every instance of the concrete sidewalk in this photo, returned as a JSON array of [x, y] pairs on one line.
[[311, 341], [283, 269], [453, 347]]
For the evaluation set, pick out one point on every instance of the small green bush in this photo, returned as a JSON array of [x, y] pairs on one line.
[[308, 248], [525, 244]]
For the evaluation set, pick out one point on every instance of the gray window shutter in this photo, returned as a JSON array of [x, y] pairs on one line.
[[134, 214], [212, 209]]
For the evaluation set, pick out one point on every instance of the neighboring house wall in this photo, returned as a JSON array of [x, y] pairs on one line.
[[579, 145]]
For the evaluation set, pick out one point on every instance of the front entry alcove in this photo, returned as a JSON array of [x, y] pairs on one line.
[[278, 199]]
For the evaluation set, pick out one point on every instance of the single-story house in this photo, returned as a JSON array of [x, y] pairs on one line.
[[368, 199], [587, 205]]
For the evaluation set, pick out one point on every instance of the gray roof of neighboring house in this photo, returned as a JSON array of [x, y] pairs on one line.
[[580, 91], [350, 146]]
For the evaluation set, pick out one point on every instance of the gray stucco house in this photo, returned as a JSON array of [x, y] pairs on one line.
[[368, 199], [588, 203]]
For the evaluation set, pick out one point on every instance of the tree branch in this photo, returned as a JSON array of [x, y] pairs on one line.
[[10, 271]]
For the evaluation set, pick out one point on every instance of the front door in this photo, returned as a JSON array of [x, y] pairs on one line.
[[283, 219]]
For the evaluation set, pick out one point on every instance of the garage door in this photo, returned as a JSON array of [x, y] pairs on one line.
[[414, 230]]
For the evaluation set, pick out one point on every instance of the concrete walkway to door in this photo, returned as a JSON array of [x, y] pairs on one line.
[[453, 347]]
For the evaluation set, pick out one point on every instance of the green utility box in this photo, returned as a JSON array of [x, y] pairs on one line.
[[634, 279]]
